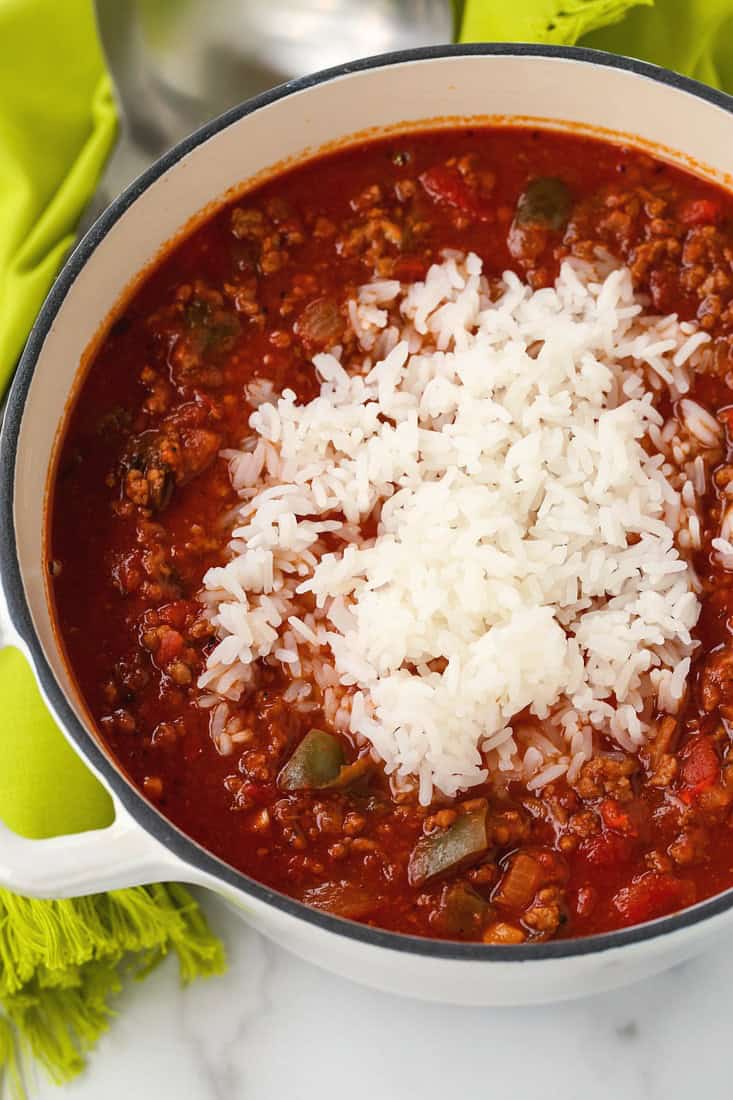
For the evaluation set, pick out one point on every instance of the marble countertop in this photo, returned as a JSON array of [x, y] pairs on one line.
[[275, 1028]]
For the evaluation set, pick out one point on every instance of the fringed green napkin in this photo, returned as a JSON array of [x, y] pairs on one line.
[[62, 962], [694, 37]]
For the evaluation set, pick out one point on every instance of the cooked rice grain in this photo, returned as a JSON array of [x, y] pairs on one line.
[[526, 540]]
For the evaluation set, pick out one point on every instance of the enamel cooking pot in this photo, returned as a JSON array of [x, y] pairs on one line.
[[616, 98]]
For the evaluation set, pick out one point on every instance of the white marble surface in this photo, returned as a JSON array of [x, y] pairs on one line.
[[275, 1028]]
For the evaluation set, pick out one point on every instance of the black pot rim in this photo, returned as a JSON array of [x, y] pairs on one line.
[[142, 811]]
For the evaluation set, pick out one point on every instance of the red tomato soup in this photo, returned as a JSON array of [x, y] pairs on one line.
[[494, 744]]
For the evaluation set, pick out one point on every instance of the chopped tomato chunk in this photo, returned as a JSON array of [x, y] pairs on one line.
[[171, 644], [618, 819], [700, 767], [260, 793], [700, 212], [447, 185], [607, 850], [652, 895], [174, 614]]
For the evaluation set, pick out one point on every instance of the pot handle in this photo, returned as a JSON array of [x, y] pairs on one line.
[[121, 855]]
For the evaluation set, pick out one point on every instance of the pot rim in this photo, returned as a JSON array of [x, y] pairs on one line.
[[145, 815]]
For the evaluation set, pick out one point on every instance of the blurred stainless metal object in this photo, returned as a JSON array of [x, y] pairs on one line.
[[177, 63]]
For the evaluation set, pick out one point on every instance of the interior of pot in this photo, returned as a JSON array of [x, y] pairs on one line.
[[509, 88]]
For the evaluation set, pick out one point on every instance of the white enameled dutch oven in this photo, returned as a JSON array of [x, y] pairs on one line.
[[595, 93]]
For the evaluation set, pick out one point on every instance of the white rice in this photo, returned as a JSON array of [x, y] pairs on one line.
[[525, 536]]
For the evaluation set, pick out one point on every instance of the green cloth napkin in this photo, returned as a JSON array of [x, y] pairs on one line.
[[60, 962], [57, 126], [694, 37]]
